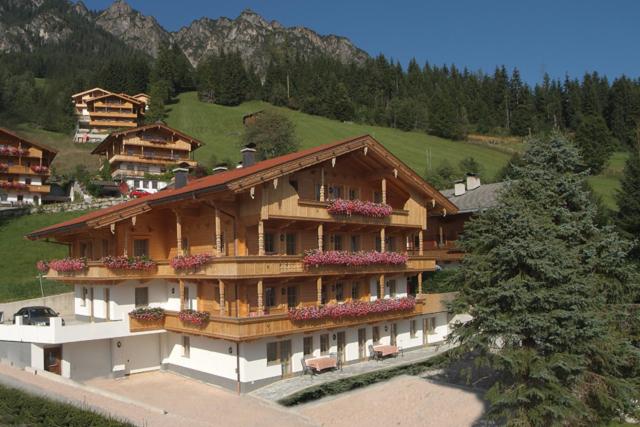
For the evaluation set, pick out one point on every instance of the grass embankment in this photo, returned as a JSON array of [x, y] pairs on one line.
[[358, 381], [607, 183], [18, 274], [18, 408]]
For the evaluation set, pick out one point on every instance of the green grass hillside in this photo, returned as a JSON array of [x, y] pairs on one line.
[[19, 277], [608, 182], [220, 128]]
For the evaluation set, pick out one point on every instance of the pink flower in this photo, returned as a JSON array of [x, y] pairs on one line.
[[147, 314], [197, 318], [68, 264], [4, 167], [42, 266], [40, 169], [359, 207], [352, 309], [317, 258], [128, 263], [186, 262]]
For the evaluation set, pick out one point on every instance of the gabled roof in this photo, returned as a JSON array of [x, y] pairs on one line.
[[141, 94], [101, 148], [90, 90], [35, 144], [119, 95], [478, 199], [243, 178]]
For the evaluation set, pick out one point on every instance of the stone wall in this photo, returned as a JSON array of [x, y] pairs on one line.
[[81, 206]]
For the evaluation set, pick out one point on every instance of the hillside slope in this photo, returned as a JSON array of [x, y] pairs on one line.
[[220, 128]]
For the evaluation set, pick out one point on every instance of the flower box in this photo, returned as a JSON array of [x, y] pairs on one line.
[[359, 207], [9, 150], [66, 265], [128, 263], [193, 317], [40, 169], [147, 314], [13, 185], [317, 258], [42, 266], [190, 262], [353, 309], [4, 167]]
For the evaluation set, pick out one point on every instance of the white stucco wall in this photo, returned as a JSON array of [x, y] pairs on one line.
[[12, 197], [136, 354], [87, 359], [207, 355]]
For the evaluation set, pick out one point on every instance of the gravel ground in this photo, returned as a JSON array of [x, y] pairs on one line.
[[402, 401]]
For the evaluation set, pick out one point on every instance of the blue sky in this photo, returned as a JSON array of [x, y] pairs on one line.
[[561, 36]]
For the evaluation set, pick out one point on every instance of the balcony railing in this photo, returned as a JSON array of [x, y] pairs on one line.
[[251, 328], [239, 267]]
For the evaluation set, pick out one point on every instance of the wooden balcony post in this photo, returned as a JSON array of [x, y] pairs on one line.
[[441, 235], [260, 237], [381, 286], [382, 241], [260, 299], [420, 243], [319, 291], [384, 190], [420, 283], [181, 292], [223, 305], [320, 237], [322, 184], [179, 234], [218, 235]]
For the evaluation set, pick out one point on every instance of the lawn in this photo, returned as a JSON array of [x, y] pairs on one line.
[[220, 128], [608, 182], [19, 278]]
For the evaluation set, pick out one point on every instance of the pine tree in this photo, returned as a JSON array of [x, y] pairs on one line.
[[273, 135], [542, 281], [594, 142], [628, 198], [159, 93]]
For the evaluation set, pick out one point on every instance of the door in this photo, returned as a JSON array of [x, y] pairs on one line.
[[342, 344], [285, 357], [393, 333], [292, 296], [362, 343], [52, 359], [107, 298]]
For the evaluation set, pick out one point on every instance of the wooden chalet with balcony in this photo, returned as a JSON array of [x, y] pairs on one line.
[[24, 169], [239, 276], [141, 157]]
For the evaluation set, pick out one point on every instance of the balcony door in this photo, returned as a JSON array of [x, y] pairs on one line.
[[292, 296], [393, 333], [342, 344]]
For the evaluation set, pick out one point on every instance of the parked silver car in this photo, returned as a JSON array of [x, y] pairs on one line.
[[38, 316]]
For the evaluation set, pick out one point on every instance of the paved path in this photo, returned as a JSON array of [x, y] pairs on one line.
[[280, 389]]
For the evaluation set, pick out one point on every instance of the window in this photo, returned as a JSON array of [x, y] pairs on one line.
[[431, 324], [4, 197], [294, 184], [86, 250], [154, 185], [307, 346], [270, 297], [337, 242], [392, 288], [269, 244], [339, 292], [390, 244], [412, 329], [377, 197], [376, 334], [378, 244], [186, 346], [141, 247], [355, 291], [185, 245], [291, 244], [292, 296], [335, 192], [105, 247], [317, 193], [143, 184], [324, 344], [84, 296], [324, 295], [354, 194], [355, 243], [142, 297], [186, 299], [27, 181], [136, 183], [272, 353]]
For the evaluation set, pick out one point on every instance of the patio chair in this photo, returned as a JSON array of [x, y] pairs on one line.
[[306, 369], [373, 355]]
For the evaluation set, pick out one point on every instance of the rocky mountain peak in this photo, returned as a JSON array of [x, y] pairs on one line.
[[252, 17], [81, 9]]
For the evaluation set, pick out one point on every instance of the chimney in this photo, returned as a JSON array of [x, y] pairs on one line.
[[220, 167], [248, 155], [181, 173], [473, 181], [459, 188]]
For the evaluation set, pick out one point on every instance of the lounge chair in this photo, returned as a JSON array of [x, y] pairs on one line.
[[373, 355]]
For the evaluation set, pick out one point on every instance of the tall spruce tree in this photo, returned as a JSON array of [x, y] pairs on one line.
[[628, 198], [594, 142], [541, 281]]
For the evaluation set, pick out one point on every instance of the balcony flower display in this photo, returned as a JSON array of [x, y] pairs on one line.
[[9, 150], [66, 265], [128, 263], [147, 314], [42, 266], [353, 309], [196, 318], [13, 185], [317, 258], [359, 207], [190, 262], [4, 167], [40, 169]]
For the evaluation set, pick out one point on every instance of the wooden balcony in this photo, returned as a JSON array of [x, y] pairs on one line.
[[138, 158], [252, 328], [125, 115], [242, 267], [113, 123], [23, 170]]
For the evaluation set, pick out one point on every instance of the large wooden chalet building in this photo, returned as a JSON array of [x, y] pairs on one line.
[[259, 271], [24, 169], [141, 157]]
